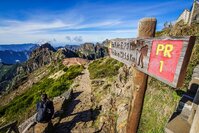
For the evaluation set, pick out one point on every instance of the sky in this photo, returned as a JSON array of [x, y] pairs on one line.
[[79, 21]]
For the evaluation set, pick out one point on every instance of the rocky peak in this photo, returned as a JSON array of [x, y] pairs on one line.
[[41, 56], [47, 46], [92, 51], [65, 53], [87, 46], [43, 49]]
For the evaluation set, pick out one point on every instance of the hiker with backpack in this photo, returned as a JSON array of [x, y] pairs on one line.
[[45, 109]]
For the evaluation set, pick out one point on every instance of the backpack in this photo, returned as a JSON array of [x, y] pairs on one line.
[[44, 112]]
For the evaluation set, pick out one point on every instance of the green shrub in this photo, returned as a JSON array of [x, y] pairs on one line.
[[102, 68], [65, 69], [194, 61]]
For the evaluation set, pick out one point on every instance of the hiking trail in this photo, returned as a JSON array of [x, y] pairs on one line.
[[78, 115]]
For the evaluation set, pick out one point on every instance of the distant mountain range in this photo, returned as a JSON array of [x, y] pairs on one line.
[[18, 47], [88, 50], [13, 53], [19, 53], [70, 47], [12, 57]]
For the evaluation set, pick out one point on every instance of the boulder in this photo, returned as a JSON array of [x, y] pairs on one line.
[[43, 128]]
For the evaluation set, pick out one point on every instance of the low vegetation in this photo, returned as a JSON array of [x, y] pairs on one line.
[[105, 67], [103, 73], [159, 103], [4, 69], [194, 61], [23, 106], [7, 72], [180, 29]]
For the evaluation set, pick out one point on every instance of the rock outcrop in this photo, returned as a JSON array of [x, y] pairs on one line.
[[65, 53], [92, 51], [39, 57], [113, 97]]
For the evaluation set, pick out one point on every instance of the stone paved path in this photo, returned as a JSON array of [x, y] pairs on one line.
[[77, 118]]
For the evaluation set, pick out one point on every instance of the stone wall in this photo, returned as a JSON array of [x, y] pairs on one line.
[[184, 16], [191, 16], [195, 126], [196, 72], [195, 118], [187, 120], [194, 16]]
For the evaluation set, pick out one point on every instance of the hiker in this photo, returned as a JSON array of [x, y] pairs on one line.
[[45, 109]]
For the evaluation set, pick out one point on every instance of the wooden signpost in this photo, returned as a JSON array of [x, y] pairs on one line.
[[162, 58], [165, 59]]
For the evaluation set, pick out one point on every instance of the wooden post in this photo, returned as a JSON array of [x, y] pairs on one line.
[[146, 29]]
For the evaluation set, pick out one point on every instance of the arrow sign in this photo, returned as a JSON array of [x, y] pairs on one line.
[[165, 59]]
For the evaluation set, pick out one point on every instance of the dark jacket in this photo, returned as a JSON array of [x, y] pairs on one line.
[[45, 111]]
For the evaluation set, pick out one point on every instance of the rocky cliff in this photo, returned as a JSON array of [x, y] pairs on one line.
[[92, 51], [41, 56], [65, 53]]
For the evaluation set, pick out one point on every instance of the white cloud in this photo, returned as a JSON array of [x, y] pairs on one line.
[[78, 39], [86, 22], [98, 24], [68, 39], [28, 26], [74, 39]]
